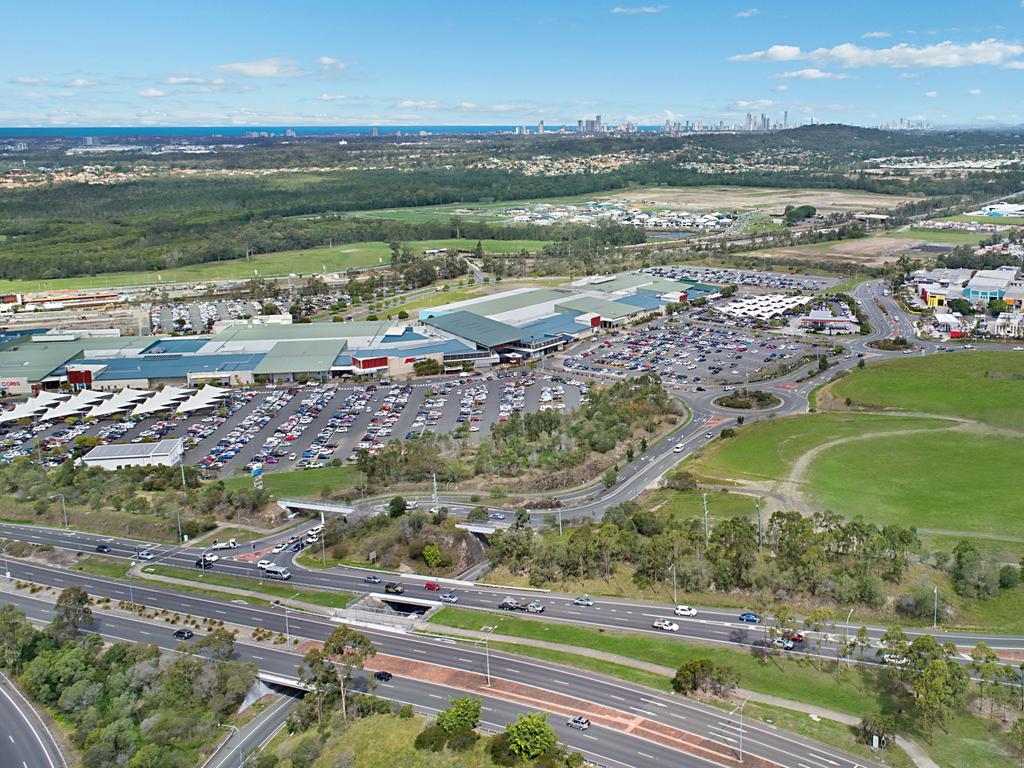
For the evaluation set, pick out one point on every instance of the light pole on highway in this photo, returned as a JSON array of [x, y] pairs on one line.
[[674, 598], [287, 631], [7, 567], [487, 653], [846, 633], [741, 726], [64, 506], [935, 607], [131, 592]]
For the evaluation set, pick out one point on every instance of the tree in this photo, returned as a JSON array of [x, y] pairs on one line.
[[1017, 738], [882, 726], [863, 640], [71, 613], [397, 506], [218, 645], [319, 675], [815, 622], [351, 649], [462, 714], [939, 689], [530, 736], [610, 477]]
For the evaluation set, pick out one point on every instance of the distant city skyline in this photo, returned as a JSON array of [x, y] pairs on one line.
[[314, 62]]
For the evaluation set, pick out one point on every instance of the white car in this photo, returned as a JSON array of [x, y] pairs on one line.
[[145, 555], [665, 625], [449, 597], [279, 548], [264, 564], [210, 557], [583, 600], [685, 610], [679, 448]]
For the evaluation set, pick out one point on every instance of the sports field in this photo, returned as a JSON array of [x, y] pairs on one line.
[[335, 259], [939, 235]]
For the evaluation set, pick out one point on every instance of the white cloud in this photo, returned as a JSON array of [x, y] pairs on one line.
[[330, 97], [748, 13], [468, 105], [419, 104], [152, 93], [331, 63], [908, 75], [751, 104], [931, 94], [812, 74], [639, 9], [781, 88], [81, 82], [975, 92], [876, 35], [990, 52], [264, 68], [29, 80]]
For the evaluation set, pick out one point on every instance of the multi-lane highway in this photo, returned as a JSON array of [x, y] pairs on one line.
[[26, 740], [593, 693]]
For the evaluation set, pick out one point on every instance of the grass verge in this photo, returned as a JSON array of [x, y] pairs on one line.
[[326, 599]]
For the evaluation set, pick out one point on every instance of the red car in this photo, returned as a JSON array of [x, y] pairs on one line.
[[432, 586]]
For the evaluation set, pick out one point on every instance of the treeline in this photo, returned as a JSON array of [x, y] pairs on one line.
[[823, 556], [126, 704]]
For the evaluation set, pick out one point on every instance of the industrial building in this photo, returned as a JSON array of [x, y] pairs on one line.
[[117, 455]]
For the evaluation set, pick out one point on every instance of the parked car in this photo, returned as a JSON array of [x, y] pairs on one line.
[[685, 610], [583, 600], [183, 634], [580, 723], [750, 617]]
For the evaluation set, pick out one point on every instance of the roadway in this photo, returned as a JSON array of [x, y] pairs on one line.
[[606, 746], [28, 742]]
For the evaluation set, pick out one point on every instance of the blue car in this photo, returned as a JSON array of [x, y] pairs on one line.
[[750, 618]]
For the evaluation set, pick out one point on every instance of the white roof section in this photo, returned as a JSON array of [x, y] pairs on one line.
[[32, 406], [133, 450], [121, 401], [74, 406], [161, 401], [207, 397]]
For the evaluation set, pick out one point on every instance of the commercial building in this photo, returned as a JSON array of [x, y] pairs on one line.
[[117, 455]]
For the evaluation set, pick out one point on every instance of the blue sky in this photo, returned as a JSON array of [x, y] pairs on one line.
[[308, 62]]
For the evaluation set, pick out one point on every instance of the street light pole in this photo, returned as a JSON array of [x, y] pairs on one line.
[[64, 506], [487, 653], [741, 726], [846, 632], [287, 631], [131, 592], [239, 747], [7, 567], [935, 607]]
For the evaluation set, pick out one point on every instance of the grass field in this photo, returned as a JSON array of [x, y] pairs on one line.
[[767, 449], [938, 235], [1015, 220], [336, 259], [686, 505], [301, 483], [894, 480], [987, 386]]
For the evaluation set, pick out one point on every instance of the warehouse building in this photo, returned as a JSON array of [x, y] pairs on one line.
[[117, 455]]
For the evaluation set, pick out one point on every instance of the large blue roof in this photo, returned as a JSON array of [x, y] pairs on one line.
[[163, 346], [642, 300], [449, 347], [170, 365]]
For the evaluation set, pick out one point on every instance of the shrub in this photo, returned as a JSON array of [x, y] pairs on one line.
[[463, 740], [405, 712], [432, 739], [500, 752], [1009, 577]]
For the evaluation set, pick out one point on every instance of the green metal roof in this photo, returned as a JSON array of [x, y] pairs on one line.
[[500, 304], [476, 328], [34, 360], [612, 310], [302, 331], [301, 356], [646, 282]]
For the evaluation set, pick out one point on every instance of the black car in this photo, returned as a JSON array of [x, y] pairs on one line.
[[183, 634], [203, 563], [102, 548], [382, 676], [394, 588]]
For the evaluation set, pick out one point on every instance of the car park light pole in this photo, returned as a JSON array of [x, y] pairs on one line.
[[64, 506]]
